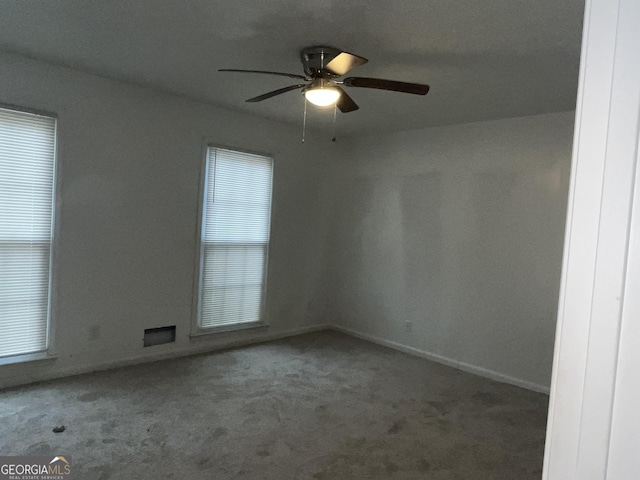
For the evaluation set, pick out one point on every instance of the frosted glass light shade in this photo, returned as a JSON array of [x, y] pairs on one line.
[[322, 97]]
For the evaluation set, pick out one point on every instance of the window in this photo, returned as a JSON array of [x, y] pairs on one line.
[[234, 239], [27, 164]]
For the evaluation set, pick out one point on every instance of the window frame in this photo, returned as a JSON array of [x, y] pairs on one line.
[[50, 350], [198, 331]]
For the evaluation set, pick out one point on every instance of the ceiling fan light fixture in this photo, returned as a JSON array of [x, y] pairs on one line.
[[322, 96], [322, 67]]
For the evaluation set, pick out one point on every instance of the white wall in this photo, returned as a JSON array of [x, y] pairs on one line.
[[455, 229], [130, 162], [458, 230]]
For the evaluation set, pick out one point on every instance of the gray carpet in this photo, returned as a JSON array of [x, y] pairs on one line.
[[322, 406]]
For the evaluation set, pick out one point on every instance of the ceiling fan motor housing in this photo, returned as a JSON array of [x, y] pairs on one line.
[[314, 59]]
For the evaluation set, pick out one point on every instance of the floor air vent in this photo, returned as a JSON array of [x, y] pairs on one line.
[[158, 336]]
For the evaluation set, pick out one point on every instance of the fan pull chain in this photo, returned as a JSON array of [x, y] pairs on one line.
[[335, 111], [304, 119]]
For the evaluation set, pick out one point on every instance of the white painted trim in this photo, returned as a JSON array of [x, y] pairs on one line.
[[624, 462], [154, 357], [26, 357], [234, 327], [450, 362], [592, 300]]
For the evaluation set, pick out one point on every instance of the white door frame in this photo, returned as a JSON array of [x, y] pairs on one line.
[[593, 423]]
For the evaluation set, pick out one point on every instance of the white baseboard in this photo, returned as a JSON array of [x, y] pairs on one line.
[[154, 357], [467, 367]]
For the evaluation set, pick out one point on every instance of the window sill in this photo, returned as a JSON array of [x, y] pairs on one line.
[[27, 357], [206, 333]]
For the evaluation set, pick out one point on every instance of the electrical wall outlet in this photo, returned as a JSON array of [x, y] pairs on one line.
[[408, 325]]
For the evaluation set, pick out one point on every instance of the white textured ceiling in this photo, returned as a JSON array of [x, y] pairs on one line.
[[484, 59]]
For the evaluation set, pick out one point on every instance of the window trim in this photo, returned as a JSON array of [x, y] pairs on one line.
[[50, 351], [27, 357], [196, 330]]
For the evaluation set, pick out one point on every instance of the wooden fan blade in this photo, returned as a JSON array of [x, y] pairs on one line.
[[345, 103], [276, 92], [380, 84], [343, 62], [281, 74]]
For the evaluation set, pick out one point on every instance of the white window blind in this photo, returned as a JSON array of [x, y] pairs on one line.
[[27, 160], [235, 238]]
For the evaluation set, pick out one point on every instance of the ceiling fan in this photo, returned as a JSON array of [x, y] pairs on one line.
[[323, 66]]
